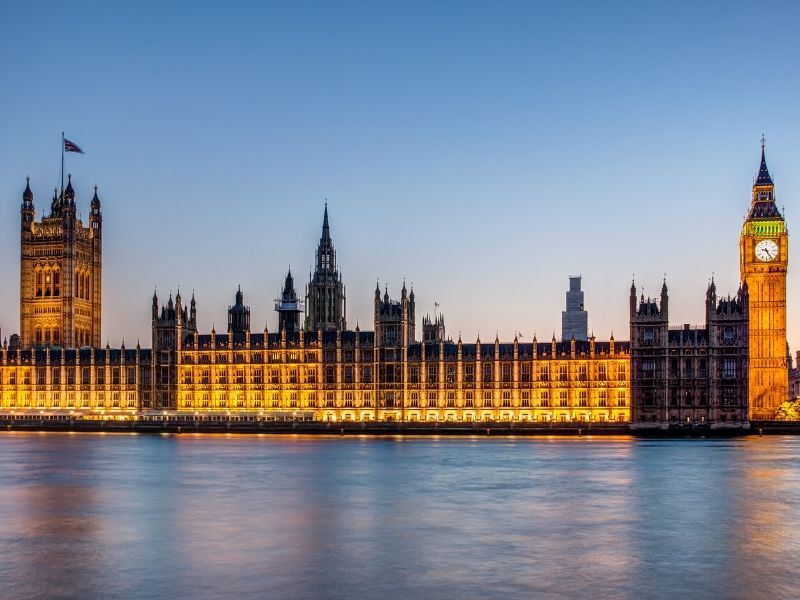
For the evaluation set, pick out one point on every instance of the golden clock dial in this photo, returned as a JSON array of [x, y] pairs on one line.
[[766, 250]]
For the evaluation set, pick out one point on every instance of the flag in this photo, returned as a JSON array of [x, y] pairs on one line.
[[72, 147]]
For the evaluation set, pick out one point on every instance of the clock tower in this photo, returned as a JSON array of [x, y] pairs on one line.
[[763, 257]]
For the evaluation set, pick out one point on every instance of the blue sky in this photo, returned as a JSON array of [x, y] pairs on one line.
[[484, 152]]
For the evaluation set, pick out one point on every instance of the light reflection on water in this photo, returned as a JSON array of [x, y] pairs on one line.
[[89, 516]]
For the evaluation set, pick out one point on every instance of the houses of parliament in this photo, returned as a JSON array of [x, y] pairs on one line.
[[725, 374]]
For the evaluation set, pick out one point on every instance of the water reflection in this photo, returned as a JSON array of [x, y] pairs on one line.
[[304, 517]]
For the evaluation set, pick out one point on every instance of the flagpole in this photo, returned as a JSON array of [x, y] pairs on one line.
[[62, 163]]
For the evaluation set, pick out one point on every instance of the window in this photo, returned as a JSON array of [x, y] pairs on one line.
[[506, 372], [728, 336], [648, 368], [115, 376], [433, 374], [506, 399], [486, 372], [601, 372], [432, 399], [544, 372], [562, 372], [40, 375], [649, 336], [728, 368], [55, 376], [131, 375], [413, 374], [526, 373], [85, 376], [469, 373]]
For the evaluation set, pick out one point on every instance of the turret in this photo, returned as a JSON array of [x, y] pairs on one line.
[[239, 315], [95, 216], [193, 314], [289, 307], [632, 300], [27, 211]]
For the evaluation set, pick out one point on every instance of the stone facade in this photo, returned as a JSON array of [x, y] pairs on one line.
[[60, 294], [689, 375], [764, 254]]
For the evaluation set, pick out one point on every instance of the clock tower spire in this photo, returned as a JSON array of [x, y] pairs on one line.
[[763, 258]]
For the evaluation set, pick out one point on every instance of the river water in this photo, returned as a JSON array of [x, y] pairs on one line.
[[202, 516]]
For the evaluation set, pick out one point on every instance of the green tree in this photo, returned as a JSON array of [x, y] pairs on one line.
[[788, 411]]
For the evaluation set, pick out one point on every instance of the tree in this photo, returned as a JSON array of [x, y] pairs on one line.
[[788, 411]]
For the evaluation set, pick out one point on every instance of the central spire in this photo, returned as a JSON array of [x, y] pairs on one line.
[[326, 230], [763, 173]]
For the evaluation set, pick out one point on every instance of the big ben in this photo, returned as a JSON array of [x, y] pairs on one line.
[[763, 258]]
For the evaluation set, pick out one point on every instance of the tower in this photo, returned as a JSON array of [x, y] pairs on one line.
[[239, 315], [289, 307], [395, 321], [763, 259], [60, 272], [574, 320], [325, 296]]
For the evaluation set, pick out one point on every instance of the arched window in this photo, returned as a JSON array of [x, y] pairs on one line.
[[39, 279], [38, 334], [77, 285], [88, 287], [56, 282], [56, 335], [47, 334], [48, 283]]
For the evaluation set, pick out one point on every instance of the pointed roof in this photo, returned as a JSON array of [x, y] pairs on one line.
[[69, 192], [763, 173], [326, 230], [27, 195], [95, 199]]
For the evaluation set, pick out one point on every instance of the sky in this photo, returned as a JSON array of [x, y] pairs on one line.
[[483, 152]]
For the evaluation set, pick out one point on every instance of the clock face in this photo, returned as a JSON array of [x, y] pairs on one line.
[[766, 250]]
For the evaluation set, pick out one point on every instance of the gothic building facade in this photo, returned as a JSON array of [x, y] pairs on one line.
[[689, 374], [731, 370], [60, 294], [322, 371]]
